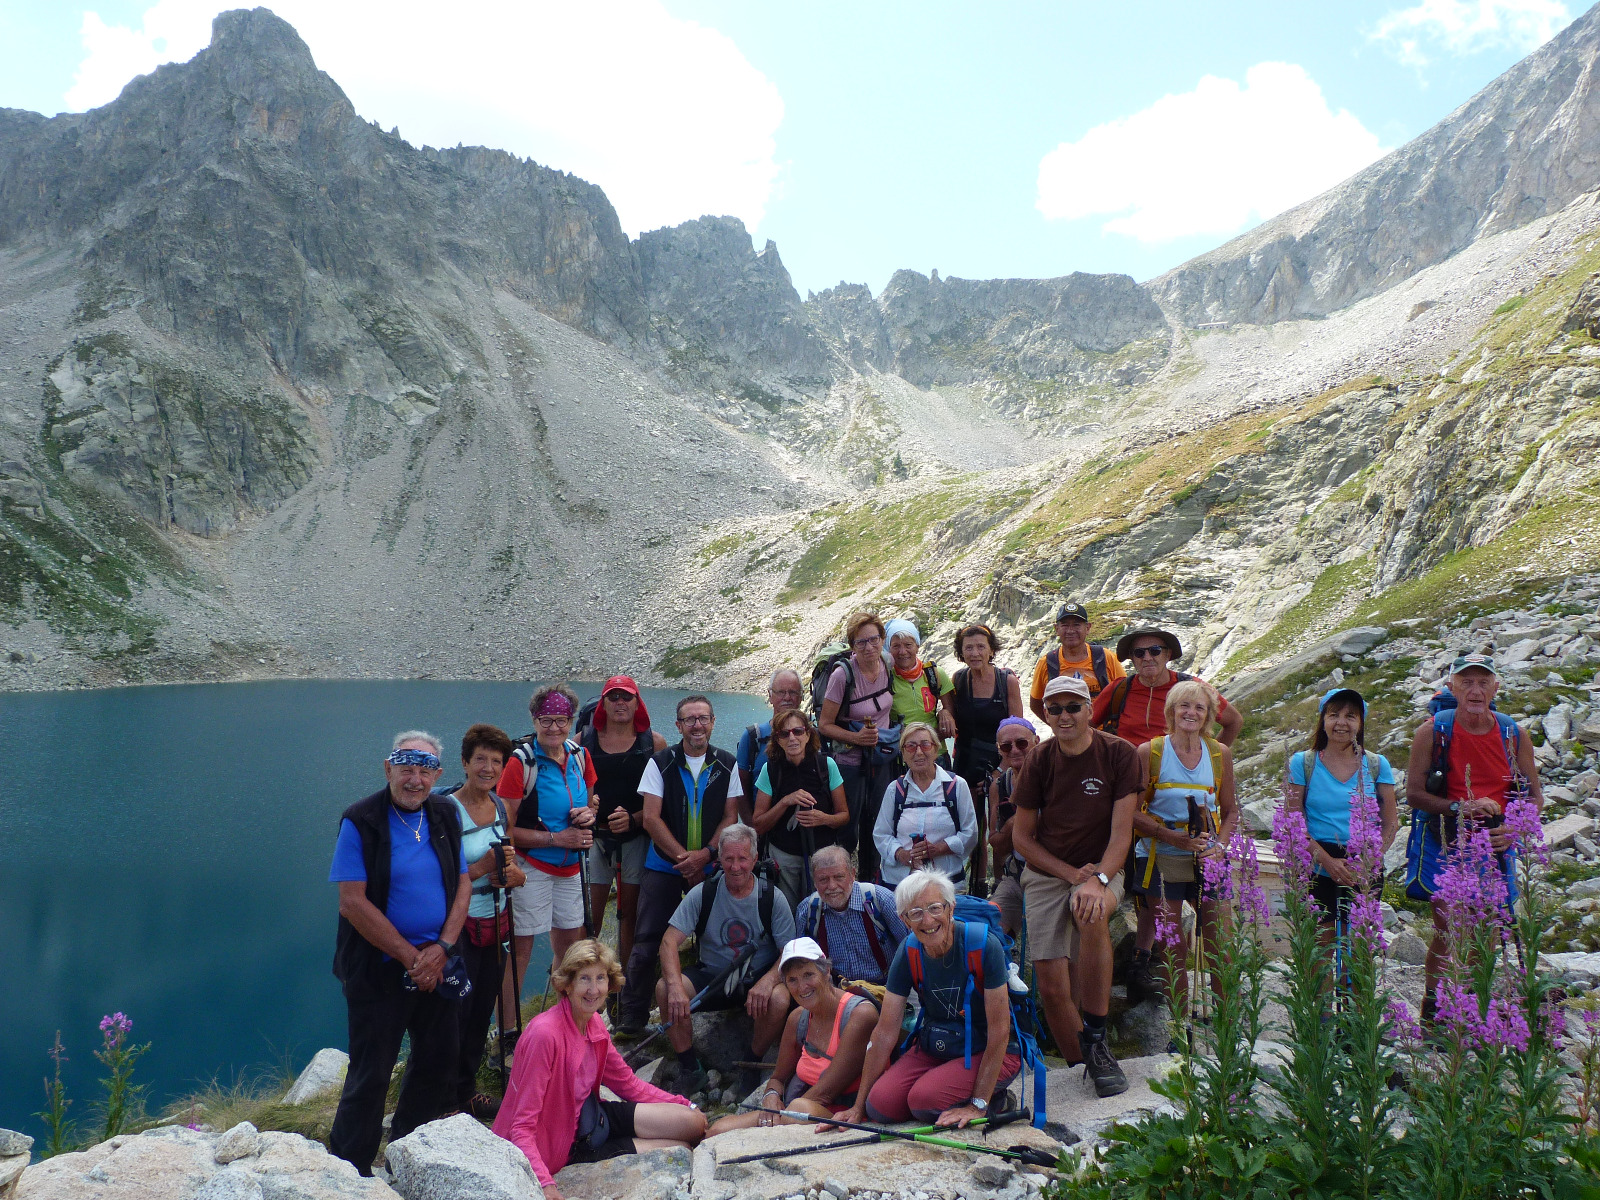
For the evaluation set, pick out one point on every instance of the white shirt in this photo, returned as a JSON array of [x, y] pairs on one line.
[[926, 814], [650, 783]]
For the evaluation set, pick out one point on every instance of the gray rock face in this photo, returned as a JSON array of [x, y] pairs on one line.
[[241, 1141], [653, 1175], [323, 1074], [1519, 150], [455, 1157], [12, 1142]]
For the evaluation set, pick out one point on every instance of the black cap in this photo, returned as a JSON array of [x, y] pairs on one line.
[[1069, 612]]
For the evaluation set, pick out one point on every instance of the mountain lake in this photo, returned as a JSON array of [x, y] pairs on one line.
[[194, 895]]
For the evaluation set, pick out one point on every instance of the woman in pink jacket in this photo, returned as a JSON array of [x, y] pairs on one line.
[[552, 1109]]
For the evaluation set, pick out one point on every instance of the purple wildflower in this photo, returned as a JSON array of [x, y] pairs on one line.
[[1216, 871], [1252, 897], [1364, 850], [1366, 920], [1167, 931], [1293, 844], [1405, 1026], [1500, 1025], [1591, 1023], [1471, 888], [1553, 1023], [1522, 820], [115, 1027]]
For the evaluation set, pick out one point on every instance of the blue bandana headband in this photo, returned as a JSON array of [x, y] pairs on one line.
[[414, 758]]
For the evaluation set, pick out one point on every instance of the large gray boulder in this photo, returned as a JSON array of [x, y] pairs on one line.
[[323, 1074], [653, 1175], [458, 1157], [176, 1163]]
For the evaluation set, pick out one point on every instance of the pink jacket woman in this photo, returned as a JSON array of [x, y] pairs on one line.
[[540, 1111]]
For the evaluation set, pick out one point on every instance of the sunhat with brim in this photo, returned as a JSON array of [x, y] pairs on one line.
[[623, 683], [800, 948], [1126, 641], [1343, 693], [1483, 662]]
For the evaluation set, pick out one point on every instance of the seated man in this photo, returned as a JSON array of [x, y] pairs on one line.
[[738, 929], [855, 923], [1075, 797]]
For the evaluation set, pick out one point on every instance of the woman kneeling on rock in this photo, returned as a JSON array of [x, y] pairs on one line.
[[823, 1046], [552, 1109]]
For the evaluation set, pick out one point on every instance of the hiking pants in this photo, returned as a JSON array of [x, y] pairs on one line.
[[486, 966], [863, 792], [381, 1013], [660, 893], [921, 1086]]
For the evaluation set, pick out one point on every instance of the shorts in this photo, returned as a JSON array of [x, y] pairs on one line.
[[608, 856], [1160, 888], [1007, 897], [620, 1114], [1334, 899], [798, 1087], [698, 977], [1052, 930], [546, 902]]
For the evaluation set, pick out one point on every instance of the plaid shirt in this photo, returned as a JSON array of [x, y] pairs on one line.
[[848, 945]]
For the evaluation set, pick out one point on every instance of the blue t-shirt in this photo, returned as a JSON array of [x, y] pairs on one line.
[[944, 984], [752, 752], [1327, 799], [764, 780], [417, 904]]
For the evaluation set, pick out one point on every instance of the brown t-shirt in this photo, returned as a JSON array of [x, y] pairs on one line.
[[1074, 795]]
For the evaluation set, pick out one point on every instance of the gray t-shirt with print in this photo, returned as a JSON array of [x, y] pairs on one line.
[[734, 922]]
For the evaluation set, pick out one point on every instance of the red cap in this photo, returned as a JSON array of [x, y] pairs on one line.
[[623, 683]]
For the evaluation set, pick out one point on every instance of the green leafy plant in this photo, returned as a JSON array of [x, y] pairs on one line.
[[118, 1056], [60, 1139]]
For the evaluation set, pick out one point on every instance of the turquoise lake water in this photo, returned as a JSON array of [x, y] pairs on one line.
[[165, 853]]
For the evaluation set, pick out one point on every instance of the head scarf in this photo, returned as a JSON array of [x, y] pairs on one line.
[[901, 625], [1015, 723], [554, 705], [622, 683]]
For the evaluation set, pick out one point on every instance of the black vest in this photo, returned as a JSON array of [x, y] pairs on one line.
[[810, 773], [719, 765], [352, 953], [617, 779]]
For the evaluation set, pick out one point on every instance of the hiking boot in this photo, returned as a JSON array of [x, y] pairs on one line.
[[1099, 1065], [691, 1083], [1141, 980]]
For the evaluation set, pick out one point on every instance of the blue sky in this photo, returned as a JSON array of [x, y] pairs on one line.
[[866, 137]]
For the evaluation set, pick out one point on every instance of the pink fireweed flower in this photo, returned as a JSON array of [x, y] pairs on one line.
[[115, 1028], [1471, 887], [1522, 820], [1405, 1026], [1364, 850], [1167, 931], [1366, 920], [1252, 897], [1591, 1023], [1216, 872], [1502, 1025], [1293, 845]]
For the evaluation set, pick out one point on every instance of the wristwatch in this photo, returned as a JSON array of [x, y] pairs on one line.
[[1101, 876], [981, 1105]]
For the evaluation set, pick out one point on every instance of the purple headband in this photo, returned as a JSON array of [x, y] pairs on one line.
[[1015, 723], [554, 705]]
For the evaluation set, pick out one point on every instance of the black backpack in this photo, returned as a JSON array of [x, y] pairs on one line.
[[585, 717], [902, 790], [1097, 656]]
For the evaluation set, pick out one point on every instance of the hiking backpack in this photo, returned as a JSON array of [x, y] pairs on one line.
[[902, 790], [976, 919], [1097, 657], [523, 753], [764, 901]]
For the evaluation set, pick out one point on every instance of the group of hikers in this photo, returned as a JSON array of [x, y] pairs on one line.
[[835, 873]]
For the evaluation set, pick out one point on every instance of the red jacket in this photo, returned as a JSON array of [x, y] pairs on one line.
[[540, 1112]]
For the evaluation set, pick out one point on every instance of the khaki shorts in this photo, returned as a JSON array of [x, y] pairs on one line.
[[1052, 930], [608, 857]]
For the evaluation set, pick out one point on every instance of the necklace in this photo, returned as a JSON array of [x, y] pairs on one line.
[[417, 832]]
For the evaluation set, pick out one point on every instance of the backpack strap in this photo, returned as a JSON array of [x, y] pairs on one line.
[[962, 682], [754, 732], [1118, 702], [708, 897], [950, 802], [1097, 655], [1052, 662], [764, 910], [900, 792], [974, 937], [869, 921]]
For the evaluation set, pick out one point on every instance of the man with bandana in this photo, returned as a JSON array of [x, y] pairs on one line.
[[403, 895], [691, 794]]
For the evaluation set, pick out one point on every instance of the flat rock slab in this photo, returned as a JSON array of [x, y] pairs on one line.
[[323, 1074], [1076, 1114], [653, 1175], [458, 1157], [893, 1166], [175, 1163]]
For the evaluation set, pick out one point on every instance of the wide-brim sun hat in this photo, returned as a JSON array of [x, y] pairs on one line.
[[1126, 641]]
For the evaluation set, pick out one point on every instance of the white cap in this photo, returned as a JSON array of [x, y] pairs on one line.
[[1066, 685], [805, 948]]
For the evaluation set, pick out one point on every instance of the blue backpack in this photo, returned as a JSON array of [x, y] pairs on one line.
[[976, 920]]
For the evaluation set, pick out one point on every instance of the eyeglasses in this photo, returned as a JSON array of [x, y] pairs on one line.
[[867, 643], [1071, 706], [415, 758], [1149, 651], [918, 748], [796, 732], [553, 722], [1019, 744], [935, 910], [694, 720]]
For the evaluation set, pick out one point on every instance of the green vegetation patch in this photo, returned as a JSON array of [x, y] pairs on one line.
[[1331, 587], [1509, 306], [869, 541], [678, 661]]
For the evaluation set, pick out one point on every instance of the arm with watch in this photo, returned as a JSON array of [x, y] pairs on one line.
[[997, 1012], [425, 963], [1094, 897]]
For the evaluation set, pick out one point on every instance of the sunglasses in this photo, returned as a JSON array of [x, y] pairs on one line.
[[919, 748], [1149, 651], [793, 733], [1019, 744], [415, 758], [617, 696], [1071, 706]]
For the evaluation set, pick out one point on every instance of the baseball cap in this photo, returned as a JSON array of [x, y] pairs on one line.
[[1483, 662], [623, 683], [1344, 693], [1066, 685], [801, 947], [1072, 612]]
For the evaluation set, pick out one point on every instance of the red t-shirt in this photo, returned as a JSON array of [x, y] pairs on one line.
[[1486, 753], [1144, 716]]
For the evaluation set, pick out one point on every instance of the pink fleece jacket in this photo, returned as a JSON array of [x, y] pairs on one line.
[[540, 1112]]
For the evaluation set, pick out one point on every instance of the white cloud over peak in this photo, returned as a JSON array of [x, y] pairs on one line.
[[666, 115], [1468, 26], [1210, 161]]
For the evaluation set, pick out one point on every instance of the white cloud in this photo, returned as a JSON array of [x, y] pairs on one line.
[[1209, 161], [666, 115], [1468, 26]]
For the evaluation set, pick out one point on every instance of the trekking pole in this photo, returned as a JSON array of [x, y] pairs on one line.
[[808, 847], [509, 946], [1027, 1154], [500, 976], [875, 1139], [588, 906]]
